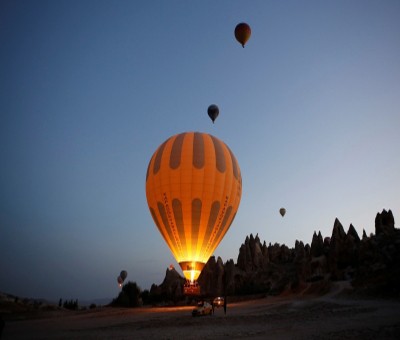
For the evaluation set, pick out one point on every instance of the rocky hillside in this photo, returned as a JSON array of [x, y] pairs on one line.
[[371, 263]]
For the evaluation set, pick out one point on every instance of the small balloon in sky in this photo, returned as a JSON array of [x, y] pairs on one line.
[[242, 33], [123, 275], [213, 112], [282, 211]]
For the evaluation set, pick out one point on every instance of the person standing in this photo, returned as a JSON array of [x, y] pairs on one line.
[[225, 304], [2, 324]]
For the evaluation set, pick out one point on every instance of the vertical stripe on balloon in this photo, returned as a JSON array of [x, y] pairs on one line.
[[219, 155], [198, 151], [157, 161], [196, 215], [177, 209], [176, 152]]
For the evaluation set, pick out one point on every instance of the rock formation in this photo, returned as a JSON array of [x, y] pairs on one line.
[[384, 223], [370, 263], [171, 288]]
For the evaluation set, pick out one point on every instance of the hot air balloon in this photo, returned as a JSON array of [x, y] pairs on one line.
[[282, 211], [123, 275], [242, 33], [193, 190], [213, 112]]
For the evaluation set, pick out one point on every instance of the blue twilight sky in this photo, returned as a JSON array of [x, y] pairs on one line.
[[89, 90]]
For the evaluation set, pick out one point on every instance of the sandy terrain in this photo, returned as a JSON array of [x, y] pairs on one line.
[[332, 316]]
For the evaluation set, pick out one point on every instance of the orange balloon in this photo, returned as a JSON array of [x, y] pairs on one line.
[[242, 33], [193, 189]]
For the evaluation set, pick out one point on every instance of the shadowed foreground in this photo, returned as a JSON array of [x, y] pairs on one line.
[[332, 316]]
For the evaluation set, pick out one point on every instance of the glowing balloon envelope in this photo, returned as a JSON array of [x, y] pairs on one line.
[[193, 189], [282, 211], [213, 112], [242, 33]]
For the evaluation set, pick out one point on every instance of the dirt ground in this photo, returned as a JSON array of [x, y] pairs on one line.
[[331, 316]]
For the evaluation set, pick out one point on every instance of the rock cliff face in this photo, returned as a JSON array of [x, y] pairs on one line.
[[371, 263], [172, 286]]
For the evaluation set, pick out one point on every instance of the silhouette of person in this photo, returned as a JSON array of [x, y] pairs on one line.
[[225, 304], [2, 323]]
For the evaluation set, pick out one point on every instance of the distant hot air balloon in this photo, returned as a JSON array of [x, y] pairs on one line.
[[123, 275], [282, 211], [213, 112], [242, 33], [193, 189]]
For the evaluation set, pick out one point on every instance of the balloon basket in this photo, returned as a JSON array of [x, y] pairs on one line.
[[191, 288]]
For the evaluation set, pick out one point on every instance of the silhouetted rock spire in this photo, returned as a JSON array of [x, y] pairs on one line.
[[317, 245], [384, 222]]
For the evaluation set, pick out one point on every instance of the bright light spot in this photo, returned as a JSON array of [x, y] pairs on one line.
[[192, 275]]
